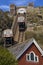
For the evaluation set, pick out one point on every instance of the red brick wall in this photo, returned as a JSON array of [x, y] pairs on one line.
[[22, 59]]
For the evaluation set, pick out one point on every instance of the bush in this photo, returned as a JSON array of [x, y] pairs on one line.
[[6, 58]]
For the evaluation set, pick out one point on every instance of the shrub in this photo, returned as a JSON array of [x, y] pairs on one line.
[[6, 58]]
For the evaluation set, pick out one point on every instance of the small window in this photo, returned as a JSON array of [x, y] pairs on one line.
[[28, 57], [32, 57], [36, 58]]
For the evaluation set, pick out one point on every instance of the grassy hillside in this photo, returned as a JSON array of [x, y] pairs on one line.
[[37, 36], [32, 17]]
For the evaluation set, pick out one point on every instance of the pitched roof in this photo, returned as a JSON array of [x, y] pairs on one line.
[[7, 33], [21, 10], [19, 49]]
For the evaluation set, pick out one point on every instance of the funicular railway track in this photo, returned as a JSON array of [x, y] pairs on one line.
[[17, 31], [18, 36], [21, 37]]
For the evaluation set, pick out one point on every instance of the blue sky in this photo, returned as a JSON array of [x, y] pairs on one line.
[[4, 4]]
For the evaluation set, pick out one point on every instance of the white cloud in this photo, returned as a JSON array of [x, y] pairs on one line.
[[4, 6]]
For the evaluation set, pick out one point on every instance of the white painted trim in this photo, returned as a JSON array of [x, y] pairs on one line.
[[29, 44], [37, 59], [21, 10], [30, 57], [26, 57]]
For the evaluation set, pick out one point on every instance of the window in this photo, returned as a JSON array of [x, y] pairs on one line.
[[32, 57], [27, 57], [35, 58]]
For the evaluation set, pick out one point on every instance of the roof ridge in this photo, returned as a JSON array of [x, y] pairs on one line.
[[32, 40]]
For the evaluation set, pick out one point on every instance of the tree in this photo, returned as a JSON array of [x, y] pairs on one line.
[[6, 58]]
